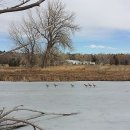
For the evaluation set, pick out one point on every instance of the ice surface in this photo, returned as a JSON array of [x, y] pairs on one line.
[[105, 107]]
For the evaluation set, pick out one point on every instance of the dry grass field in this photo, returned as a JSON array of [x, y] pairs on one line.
[[67, 73]]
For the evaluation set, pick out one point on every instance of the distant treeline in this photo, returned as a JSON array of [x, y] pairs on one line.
[[112, 59], [17, 59]]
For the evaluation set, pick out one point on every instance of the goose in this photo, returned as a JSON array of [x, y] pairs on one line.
[[86, 85], [47, 85], [94, 85], [90, 85], [55, 85], [72, 85]]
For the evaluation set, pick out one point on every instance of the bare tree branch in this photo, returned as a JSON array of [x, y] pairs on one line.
[[21, 6], [23, 121], [8, 123]]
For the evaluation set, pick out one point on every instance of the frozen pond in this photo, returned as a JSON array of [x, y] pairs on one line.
[[105, 107]]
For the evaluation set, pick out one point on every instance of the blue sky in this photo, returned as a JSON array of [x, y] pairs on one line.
[[5, 42], [105, 26], [118, 41]]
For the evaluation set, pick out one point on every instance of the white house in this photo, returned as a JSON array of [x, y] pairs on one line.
[[76, 62]]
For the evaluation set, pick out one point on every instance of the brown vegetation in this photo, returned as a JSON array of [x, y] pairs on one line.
[[67, 73]]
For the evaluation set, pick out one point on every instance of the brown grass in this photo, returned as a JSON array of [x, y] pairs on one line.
[[67, 73]]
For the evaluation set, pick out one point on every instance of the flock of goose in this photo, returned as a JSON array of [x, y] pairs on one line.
[[89, 85]]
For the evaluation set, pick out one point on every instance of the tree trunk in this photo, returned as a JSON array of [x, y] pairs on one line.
[[45, 60], [46, 55]]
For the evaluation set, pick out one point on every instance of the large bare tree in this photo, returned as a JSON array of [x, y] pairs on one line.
[[19, 6], [55, 25], [26, 39]]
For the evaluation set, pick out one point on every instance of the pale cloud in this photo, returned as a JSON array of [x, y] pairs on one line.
[[101, 13], [94, 16], [100, 18], [94, 46], [7, 18]]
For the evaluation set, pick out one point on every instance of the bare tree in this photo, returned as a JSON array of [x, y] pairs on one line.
[[27, 37], [55, 25], [22, 5]]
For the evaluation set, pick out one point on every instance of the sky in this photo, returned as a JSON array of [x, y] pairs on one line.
[[104, 26]]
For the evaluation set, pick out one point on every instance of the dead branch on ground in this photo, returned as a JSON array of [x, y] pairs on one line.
[[8, 122]]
